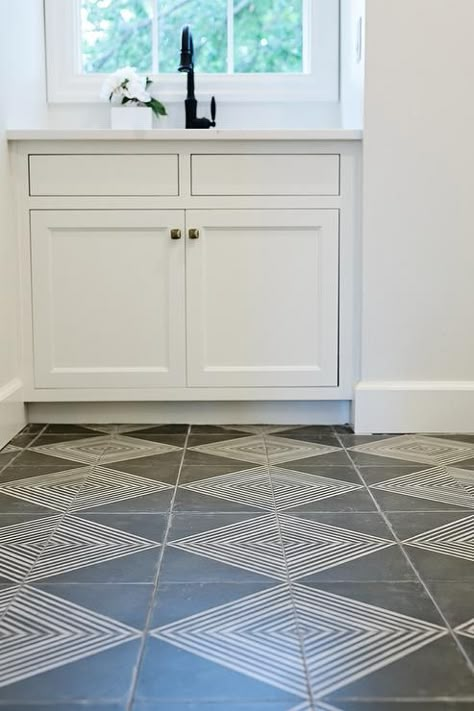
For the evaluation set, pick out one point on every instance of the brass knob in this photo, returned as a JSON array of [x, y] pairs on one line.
[[193, 233], [175, 233]]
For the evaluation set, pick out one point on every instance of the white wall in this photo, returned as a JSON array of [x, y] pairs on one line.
[[418, 231], [22, 101]]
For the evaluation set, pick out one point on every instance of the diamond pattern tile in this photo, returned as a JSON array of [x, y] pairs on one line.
[[312, 546], [21, 544], [246, 449], [255, 635], [258, 429], [285, 490], [255, 545], [444, 484], [40, 632], [9, 449], [55, 544], [282, 449], [454, 539], [106, 449], [466, 629], [81, 488], [118, 429], [344, 640], [417, 448], [292, 488], [276, 450], [256, 632]]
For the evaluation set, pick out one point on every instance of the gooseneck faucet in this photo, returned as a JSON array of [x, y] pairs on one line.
[[190, 104]]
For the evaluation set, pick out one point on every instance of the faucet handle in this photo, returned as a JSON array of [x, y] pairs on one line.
[[213, 111]]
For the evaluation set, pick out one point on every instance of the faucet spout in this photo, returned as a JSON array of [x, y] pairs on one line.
[[187, 51]]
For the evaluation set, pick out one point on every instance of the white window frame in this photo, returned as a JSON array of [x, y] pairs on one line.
[[67, 84]]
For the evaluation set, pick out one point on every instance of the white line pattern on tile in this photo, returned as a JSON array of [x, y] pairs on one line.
[[21, 544], [40, 632], [255, 635], [418, 448], [312, 546], [108, 449], [344, 639], [467, 628], [254, 545], [446, 485], [286, 488], [73, 543], [255, 449], [81, 488], [455, 539]]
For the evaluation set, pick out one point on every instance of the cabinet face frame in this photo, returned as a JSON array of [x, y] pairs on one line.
[[348, 203]]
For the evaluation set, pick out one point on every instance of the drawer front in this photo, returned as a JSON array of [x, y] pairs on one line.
[[103, 175], [251, 174]]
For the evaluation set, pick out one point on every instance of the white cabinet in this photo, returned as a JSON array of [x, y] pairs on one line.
[[262, 298], [254, 301], [108, 298]]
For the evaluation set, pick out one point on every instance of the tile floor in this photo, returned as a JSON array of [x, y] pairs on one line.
[[171, 568]]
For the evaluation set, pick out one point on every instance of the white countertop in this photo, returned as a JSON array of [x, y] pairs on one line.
[[184, 135]]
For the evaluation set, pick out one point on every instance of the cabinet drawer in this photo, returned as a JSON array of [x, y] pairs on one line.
[[103, 175], [273, 174]]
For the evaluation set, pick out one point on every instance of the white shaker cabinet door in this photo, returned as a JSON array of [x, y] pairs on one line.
[[262, 297], [108, 298]]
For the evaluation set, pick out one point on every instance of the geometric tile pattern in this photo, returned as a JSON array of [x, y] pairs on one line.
[[416, 448], [253, 449], [40, 632], [252, 545], [286, 634], [446, 485], [312, 546], [285, 490], [467, 628], [118, 429], [21, 544], [250, 486], [106, 449], [259, 429], [10, 448], [72, 543], [281, 449], [255, 635], [344, 639], [81, 488], [455, 539], [255, 545], [292, 488], [247, 449]]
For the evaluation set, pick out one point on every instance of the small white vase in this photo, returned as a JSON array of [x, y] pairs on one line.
[[136, 118]]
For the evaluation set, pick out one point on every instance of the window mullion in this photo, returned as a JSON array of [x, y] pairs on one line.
[[230, 36]]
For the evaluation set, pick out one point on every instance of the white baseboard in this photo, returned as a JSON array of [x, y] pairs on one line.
[[12, 410], [414, 406], [304, 412]]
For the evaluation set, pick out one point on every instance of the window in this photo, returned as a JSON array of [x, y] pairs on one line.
[[236, 36], [244, 49]]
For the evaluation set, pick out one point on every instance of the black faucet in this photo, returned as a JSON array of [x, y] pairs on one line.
[[190, 104]]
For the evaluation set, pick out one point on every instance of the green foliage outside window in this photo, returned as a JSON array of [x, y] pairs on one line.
[[267, 35]]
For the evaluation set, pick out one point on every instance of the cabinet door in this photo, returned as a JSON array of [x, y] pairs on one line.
[[262, 298], [108, 298]]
